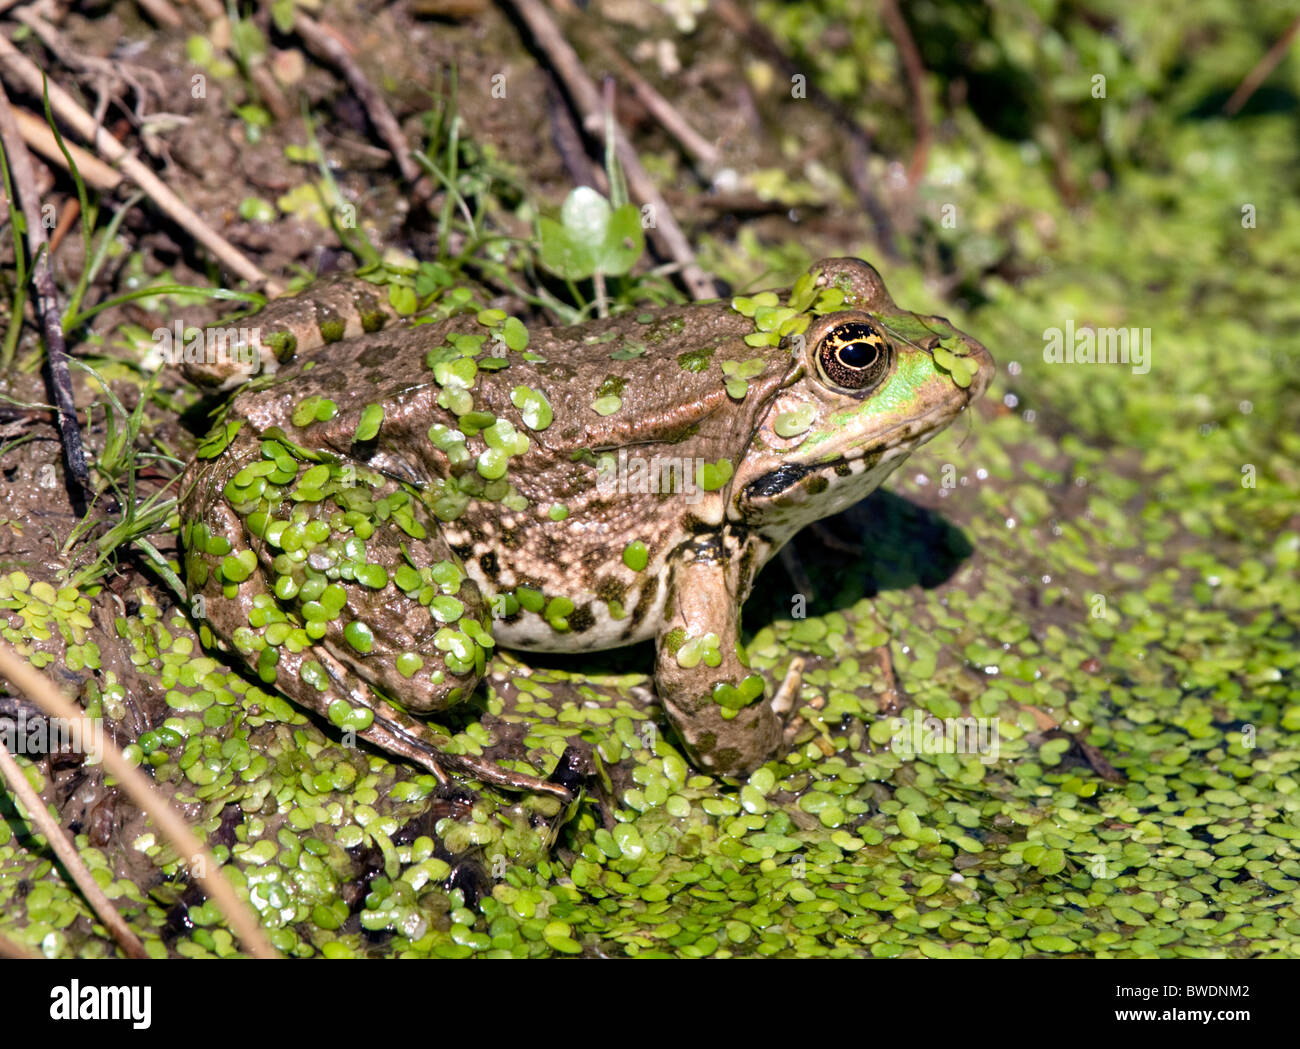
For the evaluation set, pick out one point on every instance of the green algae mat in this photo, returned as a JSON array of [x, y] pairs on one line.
[[1049, 704]]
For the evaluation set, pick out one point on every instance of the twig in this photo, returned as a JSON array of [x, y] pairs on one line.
[[568, 140], [162, 12], [325, 45], [9, 949], [270, 90], [783, 701], [666, 233], [110, 76], [15, 65], [71, 212], [37, 134], [1261, 71], [742, 22], [914, 69], [704, 152], [47, 296], [67, 853], [140, 789]]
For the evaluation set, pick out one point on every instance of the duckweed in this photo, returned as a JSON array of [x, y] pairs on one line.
[[1097, 565]]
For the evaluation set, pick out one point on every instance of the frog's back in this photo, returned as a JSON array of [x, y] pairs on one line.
[[561, 499], [611, 384]]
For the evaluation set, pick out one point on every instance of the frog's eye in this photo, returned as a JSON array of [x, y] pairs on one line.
[[853, 356]]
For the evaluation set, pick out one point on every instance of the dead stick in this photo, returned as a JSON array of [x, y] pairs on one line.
[[67, 854], [582, 89], [71, 212], [325, 45], [38, 136], [142, 791], [10, 949], [16, 66], [670, 118], [1261, 71], [161, 12], [47, 298], [914, 69]]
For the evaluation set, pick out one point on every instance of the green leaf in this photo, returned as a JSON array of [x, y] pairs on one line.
[[590, 237], [402, 299], [282, 13], [533, 407], [372, 415]]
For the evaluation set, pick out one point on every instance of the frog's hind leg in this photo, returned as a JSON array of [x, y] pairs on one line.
[[335, 586], [397, 732]]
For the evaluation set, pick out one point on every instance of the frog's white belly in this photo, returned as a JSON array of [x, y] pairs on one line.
[[531, 632]]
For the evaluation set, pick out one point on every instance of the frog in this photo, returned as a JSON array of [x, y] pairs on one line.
[[386, 500]]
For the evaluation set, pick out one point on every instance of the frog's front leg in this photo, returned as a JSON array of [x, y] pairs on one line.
[[335, 586], [715, 702]]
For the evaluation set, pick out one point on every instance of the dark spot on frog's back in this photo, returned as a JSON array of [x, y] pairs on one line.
[[367, 306], [695, 360], [325, 378], [377, 356], [488, 563], [556, 370], [329, 322], [677, 434], [665, 328], [612, 386]]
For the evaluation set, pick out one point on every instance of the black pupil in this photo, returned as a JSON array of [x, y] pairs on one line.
[[858, 354]]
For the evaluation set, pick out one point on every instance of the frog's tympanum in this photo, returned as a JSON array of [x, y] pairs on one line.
[[388, 502]]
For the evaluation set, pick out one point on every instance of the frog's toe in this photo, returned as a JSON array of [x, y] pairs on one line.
[[727, 722], [727, 745]]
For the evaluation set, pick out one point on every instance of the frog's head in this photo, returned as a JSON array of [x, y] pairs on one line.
[[868, 382]]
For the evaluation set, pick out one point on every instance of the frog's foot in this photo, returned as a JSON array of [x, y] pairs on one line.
[[397, 732], [334, 585], [715, 702]]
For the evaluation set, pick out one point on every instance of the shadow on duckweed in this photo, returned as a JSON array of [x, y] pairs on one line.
[[900, 545]]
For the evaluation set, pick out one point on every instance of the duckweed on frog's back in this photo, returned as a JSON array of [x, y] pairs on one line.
[[379, 511]]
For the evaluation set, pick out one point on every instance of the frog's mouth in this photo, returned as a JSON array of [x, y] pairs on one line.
[[901, 440]]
